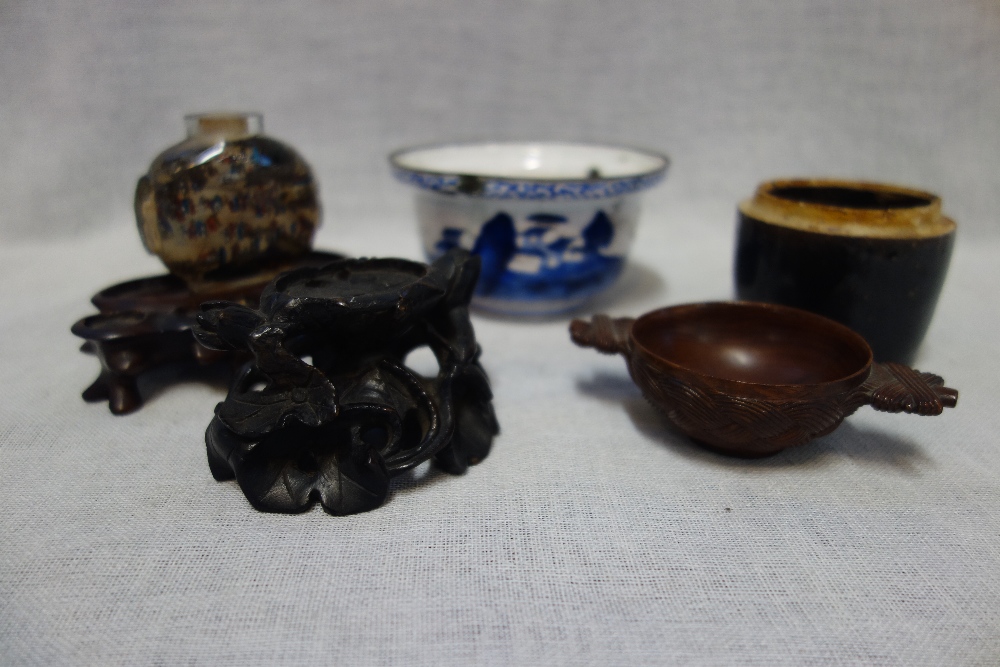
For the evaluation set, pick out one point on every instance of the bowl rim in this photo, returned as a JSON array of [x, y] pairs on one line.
[[503, 187], [799, 391]]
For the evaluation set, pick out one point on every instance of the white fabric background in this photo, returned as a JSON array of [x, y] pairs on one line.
[[591, 535]]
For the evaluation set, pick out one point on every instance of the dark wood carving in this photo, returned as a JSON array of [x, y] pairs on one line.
[[146, 323], [894, 387], [751, 379], [328, 410]]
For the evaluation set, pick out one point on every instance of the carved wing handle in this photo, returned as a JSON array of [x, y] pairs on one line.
[[897, 388], [604, 334]]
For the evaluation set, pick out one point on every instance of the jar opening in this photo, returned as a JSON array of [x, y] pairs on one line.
[[844, 197], [848, 208]]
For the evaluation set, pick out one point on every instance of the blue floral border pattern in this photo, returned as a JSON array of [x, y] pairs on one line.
[[497, 188]]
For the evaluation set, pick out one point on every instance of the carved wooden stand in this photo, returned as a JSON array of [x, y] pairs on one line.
[[327, 410], [146, 323]]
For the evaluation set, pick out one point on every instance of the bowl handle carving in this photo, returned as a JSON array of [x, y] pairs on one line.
[[894, 387], [604, 334]]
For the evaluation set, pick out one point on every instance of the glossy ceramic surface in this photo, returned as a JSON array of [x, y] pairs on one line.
[[871, 256], [552, 222]]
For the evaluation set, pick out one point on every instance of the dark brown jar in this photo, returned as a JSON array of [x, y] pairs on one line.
[[871, 256]]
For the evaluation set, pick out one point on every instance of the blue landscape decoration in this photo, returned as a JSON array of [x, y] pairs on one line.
[[569, 266]]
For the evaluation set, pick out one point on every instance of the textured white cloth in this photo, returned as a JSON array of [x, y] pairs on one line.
[[591, 534]]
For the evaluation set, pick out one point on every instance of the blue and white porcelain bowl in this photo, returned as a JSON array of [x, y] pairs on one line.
[[552, 222]]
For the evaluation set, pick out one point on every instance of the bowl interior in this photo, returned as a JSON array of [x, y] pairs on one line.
[[755, 343], [531, 161]]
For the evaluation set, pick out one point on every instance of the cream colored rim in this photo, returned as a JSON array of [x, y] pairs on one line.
[[848, 208]]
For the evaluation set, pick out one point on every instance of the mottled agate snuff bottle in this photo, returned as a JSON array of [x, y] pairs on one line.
[[227, 201]]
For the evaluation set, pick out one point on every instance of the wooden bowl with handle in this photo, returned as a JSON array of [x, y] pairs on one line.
[[751, 379]]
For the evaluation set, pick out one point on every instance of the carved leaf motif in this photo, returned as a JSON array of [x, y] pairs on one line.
[[357, 484], [610, 336], [327, 411], [896, 388], [475, 422], [252, 413], [223, 325], [289, 470]]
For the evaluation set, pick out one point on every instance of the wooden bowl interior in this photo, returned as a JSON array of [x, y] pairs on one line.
[[754, 343]]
